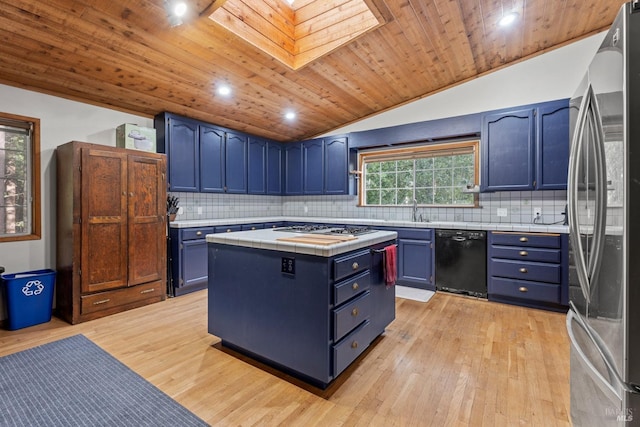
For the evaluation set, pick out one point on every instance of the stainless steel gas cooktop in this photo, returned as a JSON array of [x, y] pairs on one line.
[[326, 229]]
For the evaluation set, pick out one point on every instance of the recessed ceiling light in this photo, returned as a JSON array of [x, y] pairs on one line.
[[290, 2], [180, 8], [289, 115], [224, 90], [507, 19]]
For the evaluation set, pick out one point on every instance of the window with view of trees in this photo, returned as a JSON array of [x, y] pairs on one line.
[[19, 178], [429, 175]]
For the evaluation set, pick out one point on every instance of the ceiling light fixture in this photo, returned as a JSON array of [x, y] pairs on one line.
[[175, 9], [290, 2], [507, 19], [289, 115], [224, 90]]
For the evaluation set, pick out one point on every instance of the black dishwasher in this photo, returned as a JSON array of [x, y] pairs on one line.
[[461, 262]]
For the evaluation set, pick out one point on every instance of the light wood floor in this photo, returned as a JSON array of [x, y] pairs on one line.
[[453, 361]]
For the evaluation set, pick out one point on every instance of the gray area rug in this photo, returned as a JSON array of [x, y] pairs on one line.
[[73, 382]]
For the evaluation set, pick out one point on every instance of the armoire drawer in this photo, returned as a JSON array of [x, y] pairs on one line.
[[105, 300]]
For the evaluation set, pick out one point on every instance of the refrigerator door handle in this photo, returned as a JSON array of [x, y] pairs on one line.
[[604, 354], [572, 194], [599, 226]]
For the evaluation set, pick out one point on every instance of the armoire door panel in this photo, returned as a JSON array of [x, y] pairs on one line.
[[146, 231], [104, 220]]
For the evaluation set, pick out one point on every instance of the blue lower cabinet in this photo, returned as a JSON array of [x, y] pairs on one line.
[[189, 259], [307, 315], [416, 258], [529, 269]]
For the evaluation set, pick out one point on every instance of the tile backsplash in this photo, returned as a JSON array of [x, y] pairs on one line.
[[511, 207]]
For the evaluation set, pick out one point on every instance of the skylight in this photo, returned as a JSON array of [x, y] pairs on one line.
[[298, 34]]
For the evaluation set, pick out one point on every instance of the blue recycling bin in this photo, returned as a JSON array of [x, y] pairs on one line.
[[29, 297]]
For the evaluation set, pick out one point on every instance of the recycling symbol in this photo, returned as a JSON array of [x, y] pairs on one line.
[[33, 287]]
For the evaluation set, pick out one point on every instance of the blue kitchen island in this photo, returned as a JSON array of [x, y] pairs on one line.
[[306, 305]]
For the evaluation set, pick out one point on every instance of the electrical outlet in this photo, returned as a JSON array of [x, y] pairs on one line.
[[537, 212]]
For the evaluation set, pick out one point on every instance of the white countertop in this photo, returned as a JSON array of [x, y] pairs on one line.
[[378, 222], [267, 239]]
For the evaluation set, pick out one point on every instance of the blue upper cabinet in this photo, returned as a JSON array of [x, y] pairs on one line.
[[293, 168], [212, 160], [274, 168], [526, 148], [313, 166], [508, 151], [336, 166], [257, 166], [235, 162], [179, 139], [552, 145]]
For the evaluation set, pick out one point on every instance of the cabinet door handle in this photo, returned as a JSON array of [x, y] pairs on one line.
[[130, 194], [355, 286], [354, 312], [523, 289], [146, 291], [198, 233], [523, 270], [524, 253], [355, 265], [354, 344], [102, 301], [524, 239]]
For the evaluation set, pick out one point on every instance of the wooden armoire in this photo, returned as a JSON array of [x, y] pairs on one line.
[[111, 230]]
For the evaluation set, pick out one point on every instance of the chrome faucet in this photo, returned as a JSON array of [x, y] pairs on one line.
[[415, 210]]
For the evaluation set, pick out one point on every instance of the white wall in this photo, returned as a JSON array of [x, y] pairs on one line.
[[545, 77], [553, 75], [61, 121]]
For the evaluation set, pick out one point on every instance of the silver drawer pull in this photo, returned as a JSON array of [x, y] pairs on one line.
[[102, 301], [228, 230], [354, 312], [523, 289], [524, 239], [523, 270], [253, 228], [354, 344], [524, 253], [146, 291], [355, 265], [355, 286], [199, 233]]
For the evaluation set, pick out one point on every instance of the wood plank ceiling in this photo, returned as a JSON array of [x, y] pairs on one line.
[[123, 54]]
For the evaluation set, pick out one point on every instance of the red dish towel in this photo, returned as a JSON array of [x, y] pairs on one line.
[[390, 272]]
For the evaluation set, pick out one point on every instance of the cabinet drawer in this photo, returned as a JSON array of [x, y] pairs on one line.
[[350, 347], [526, 290], [106, 300], [196, 233], [539, 240], [351, 287], [351, 264], [228, 228], [245, 227], [273, 224], [415, 233], [526, 254], [351, 315], [551, 273]]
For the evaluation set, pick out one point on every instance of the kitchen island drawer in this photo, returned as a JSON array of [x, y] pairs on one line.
[[352, 346], [351, 264], [531, 291], [196, 233], [526, 254], [543, 272], [538, 240], [131, 296], [350, 315], [228, 228], [351, 287]]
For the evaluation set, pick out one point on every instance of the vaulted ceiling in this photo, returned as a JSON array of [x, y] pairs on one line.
[[123, 54]]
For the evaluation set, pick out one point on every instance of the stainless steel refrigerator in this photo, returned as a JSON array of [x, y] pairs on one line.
[[604, 224]]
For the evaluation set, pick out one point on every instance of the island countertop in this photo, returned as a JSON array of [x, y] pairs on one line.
[[268, 239]]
